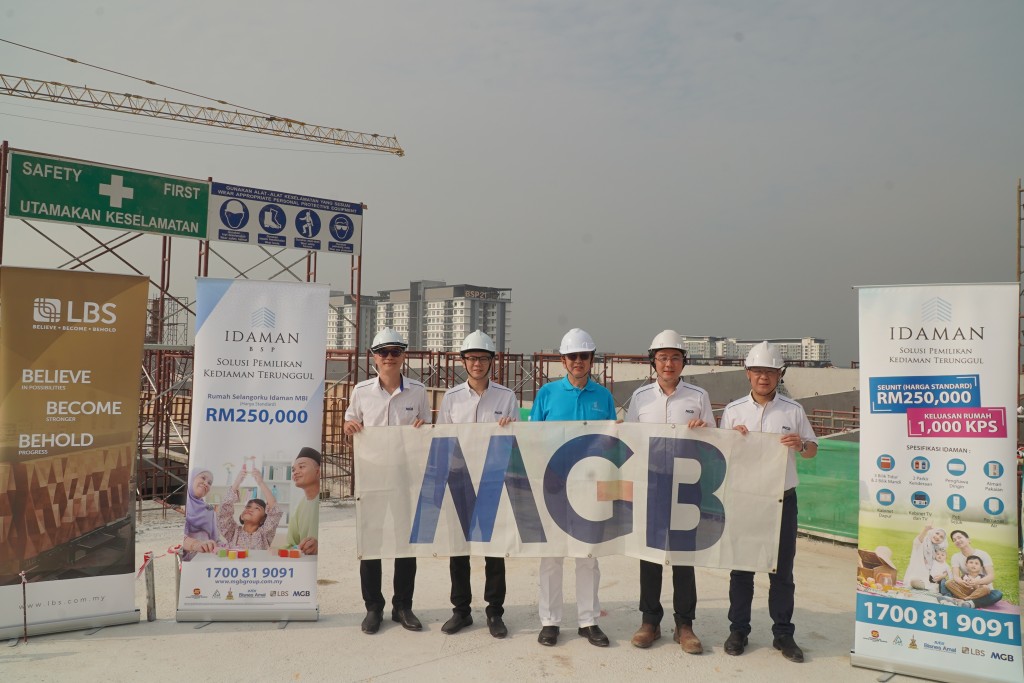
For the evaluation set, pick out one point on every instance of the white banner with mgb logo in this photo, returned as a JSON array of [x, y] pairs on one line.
[[663, 493]]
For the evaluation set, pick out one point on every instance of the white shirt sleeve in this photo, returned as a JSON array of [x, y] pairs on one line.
[[423, 409], [354, 410], [727, 419], [706, 412], [633, 412]]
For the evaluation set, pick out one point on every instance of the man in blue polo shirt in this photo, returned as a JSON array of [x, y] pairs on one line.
[[574, 397]]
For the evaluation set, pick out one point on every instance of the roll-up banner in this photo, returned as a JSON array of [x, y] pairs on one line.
[[937, 577], [252, 509], [70, 358], [662, 493]]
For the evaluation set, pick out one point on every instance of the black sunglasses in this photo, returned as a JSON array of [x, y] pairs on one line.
[[578, 356], [394, 353]]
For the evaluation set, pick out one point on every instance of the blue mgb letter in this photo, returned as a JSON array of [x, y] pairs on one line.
[[557, 473], [503, 468], [661, 455]]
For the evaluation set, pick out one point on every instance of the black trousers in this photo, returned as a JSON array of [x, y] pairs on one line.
[[684, 593], [781, 589], [404, 584], [494, 585]]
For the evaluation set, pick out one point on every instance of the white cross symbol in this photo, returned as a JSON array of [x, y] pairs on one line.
[[116, 191]]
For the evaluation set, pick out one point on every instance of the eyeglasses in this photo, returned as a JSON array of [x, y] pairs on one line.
[[669, 359], [476, 359], [768, 372], [573, 357], [384, 353]]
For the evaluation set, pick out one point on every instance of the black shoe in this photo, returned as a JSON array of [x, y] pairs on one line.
[[548, 636], [371, 622], [407, 619], [497, 627], [457, 623], [790, 650], [594, 635], [735, 643]]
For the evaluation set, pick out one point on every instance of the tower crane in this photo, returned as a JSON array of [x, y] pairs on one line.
[[126, 103]]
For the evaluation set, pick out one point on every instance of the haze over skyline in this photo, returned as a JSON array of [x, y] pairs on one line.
[[731, 169]]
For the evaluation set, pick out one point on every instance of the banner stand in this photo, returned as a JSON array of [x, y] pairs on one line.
[[214, 614], [61, 625], [937, 588], [907, 669]]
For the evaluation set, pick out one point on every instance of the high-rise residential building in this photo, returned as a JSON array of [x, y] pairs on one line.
[[341, 321], [436, 316]]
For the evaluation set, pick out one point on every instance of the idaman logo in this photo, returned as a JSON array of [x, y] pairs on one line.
[[266, 318], [935, 310]]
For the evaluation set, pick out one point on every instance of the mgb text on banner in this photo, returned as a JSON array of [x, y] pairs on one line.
[[662, 493]]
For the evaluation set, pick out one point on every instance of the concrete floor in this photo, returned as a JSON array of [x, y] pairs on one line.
[[334, 648]]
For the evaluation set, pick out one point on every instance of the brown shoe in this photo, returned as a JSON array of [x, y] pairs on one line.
[[646, 635], [689, 641]]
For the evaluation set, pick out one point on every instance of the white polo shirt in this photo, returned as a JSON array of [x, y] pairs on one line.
[[375, 407], [461, 404], [781, 415], [687, 402]]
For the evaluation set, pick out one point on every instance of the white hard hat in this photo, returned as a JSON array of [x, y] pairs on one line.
[[577, 341], [667, 339], [387, 337], [765, 355], [478, 341]]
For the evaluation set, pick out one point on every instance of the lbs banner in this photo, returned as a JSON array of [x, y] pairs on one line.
[[667, 494], [937, 585], [252, 512], [70, 354]]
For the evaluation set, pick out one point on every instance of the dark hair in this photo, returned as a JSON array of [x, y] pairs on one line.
[[959, 531], [263, 504]]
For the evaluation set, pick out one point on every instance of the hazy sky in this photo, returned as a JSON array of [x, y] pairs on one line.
[[726, 168]]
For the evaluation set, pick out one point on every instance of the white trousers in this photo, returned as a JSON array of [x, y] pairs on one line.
[[549, 602]]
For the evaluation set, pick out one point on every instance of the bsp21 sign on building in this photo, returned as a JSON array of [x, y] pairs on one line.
[[52, 188]]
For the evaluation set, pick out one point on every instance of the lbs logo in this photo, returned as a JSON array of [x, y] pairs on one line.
[[53, 311]]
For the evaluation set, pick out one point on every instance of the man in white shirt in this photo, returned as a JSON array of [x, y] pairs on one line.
[[478, 399], [389, 399], [764, 410], [669, 400]]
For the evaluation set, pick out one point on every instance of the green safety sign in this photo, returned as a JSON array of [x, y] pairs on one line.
[[52, 188]]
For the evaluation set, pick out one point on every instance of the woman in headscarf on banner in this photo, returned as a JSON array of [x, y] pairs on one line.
[[258, 522], [200, 519], [926, 545]]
